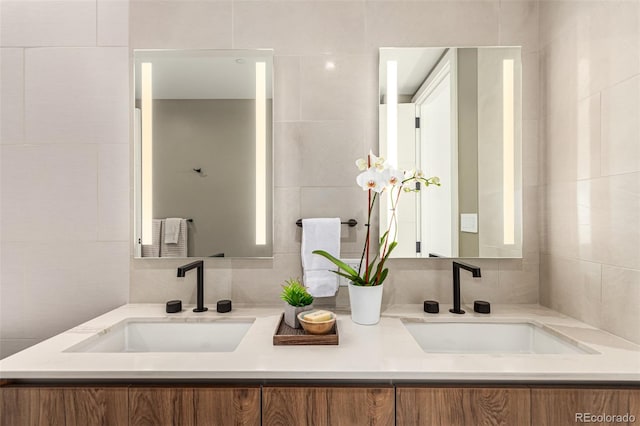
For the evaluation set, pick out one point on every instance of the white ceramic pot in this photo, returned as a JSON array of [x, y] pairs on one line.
[[366, 302], [291, 314]]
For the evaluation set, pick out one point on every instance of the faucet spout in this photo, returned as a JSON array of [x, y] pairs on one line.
[[199, 265], [475, 272]]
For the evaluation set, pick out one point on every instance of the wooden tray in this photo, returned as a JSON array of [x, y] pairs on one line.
[[285, 335]]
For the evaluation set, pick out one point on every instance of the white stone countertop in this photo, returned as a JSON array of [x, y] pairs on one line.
[[383, 352]]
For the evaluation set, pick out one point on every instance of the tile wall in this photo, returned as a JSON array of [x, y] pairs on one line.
[[324, 119], [64, 165], [65, 149], [590, 162]]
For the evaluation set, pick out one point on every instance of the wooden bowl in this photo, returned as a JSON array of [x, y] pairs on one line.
[[321, 327]]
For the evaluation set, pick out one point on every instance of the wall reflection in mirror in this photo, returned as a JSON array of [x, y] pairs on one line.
[[455, 113], [203, 153]]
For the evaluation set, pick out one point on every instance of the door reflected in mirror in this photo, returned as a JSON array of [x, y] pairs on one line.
[[454, 113], [203, 153]]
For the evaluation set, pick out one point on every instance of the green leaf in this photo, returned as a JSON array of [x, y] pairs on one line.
[[383, 275], [354, 278], [339, 263]]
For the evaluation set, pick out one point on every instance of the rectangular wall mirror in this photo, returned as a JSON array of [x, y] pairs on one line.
[[455, 113], [203, 160]]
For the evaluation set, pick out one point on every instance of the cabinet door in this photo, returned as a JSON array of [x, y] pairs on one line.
[[462, 406], [557, 407], [161, 406], [95, 406], [222, 406], [327, 406], [19, 406], [69, 406]]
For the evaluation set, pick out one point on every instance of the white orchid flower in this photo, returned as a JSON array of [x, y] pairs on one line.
[[435, 180], [394, 177], [371, 179], [377, 162], [362, 164]]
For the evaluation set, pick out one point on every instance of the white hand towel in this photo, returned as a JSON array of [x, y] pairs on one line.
[[172, 230], [178, 249], [320, 234]]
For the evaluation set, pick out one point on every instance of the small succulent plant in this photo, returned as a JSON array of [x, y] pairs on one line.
[[295, 294]]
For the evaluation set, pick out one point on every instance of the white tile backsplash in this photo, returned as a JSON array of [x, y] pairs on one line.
[[77, 95], [67, 186], [113, 22], [49, 192], [11, 95], [34, 23], [590, 221]]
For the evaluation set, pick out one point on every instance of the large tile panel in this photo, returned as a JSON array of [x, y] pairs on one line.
[[49, 192], [621, 128], [299, 27], [620, 293], [113, 22], [11, 95], [77, 95], [181, 24], [48, 23]]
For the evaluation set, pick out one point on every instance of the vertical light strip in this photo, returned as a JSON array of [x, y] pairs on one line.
[[147, 152], [261, 154], [508, 136], [392, 134], [392, 113]]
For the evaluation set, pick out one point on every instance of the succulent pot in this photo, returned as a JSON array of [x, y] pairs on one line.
[[291, 314], [366, 302]]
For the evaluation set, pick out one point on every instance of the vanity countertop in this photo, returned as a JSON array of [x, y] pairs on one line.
[[384, 352]]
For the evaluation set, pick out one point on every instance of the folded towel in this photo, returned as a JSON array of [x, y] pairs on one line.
[[172, 230], [153, 250], [320, 234], [178, 249]]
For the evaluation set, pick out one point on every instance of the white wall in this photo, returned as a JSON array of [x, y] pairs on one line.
[[326, 118], [65, 153], [64, 166], [590, 71]]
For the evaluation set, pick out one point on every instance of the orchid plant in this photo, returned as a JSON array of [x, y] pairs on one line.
[[378, 177]]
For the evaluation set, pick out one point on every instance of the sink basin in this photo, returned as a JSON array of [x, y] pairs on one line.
[[491, 338], [168, 335]]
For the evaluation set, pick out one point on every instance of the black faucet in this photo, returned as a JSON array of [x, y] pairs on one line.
[[200, 287], [456, 283]]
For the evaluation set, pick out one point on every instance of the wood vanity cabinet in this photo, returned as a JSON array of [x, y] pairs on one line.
[[129, 405], [472, 406], [559, 407], [69, 406], [327, 406], [199, 406]]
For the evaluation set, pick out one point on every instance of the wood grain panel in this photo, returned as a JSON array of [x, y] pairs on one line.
[[429, 406], [474, 406], [358, 406], [497, 406], [96, 406], [161, 407], [51, 410], [634, 404], [227, 406], [558, 407], [327, 406], [19, 406]]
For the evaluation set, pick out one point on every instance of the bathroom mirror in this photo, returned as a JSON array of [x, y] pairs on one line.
[[203, 161], [454, 113]]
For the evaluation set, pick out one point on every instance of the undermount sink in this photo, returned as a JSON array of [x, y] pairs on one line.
[[168, 335], [491, 338]]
